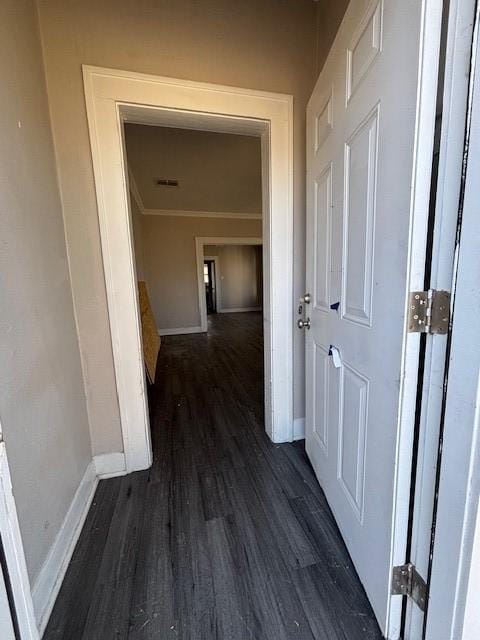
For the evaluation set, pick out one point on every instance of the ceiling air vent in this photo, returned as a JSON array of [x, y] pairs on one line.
[[165, 182]]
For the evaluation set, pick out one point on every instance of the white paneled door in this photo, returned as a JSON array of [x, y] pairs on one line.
[[364, 124]]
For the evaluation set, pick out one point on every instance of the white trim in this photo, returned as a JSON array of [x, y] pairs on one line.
[[183, 213], [179, 331], [419, 211], [459, 481], [299, 429], [109, 465], [177, 213], [134, 190], [48, 583], [14, 555], [113, 97], [239, 309], [460, 21]]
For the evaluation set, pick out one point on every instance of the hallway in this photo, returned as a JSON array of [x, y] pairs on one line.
[[227, 536]]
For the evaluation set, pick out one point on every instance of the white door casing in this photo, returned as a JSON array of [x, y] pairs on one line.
[[7, 631], [452, 111], [453, 610], [113, 97], [370, 124], [14, 558]]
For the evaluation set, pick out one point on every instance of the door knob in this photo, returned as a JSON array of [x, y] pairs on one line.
[[307, 298], [303, 324]]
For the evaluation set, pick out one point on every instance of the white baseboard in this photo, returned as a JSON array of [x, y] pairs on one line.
[[110, 465], [299, 428], [239, 310], [48, 583], [179, 331]]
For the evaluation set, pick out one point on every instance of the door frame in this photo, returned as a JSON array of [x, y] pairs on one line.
[[452, 135], [14, 556], [199, 249], [453, 603], [114, 97]]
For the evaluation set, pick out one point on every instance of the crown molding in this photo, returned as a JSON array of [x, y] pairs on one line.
[[132, 184], [201, 214], [180, 213]]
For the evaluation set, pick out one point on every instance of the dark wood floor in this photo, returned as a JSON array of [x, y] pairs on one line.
[[227, 536]]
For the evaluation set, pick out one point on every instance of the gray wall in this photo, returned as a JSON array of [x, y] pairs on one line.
[[268, 45], [42, 400]]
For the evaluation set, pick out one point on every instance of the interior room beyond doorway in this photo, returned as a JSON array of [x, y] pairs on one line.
[[187, 184], [233, 278]]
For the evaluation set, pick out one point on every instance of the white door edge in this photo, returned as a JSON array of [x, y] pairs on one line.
[[14, 553]]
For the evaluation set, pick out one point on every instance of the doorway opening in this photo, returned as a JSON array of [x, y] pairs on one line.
[[239, 268], [183, 275], [115, 98], [238, 265], [210, 285]]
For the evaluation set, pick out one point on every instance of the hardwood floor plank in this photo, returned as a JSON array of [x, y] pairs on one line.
[[266, 550], [228, 536], [191, 570], [152, 606], [109, 612], [236, 616], [74, 600], [334, 578]]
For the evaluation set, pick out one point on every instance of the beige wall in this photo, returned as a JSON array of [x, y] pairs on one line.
[[42, 401], [267, 45], [170, 264], [216, 171], [239, 281], [329, 16]]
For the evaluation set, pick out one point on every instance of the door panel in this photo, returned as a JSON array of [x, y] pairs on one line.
[[359, 219], [321, 409], [323, 211], [361, 140], [365, 46], [352, 436]]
